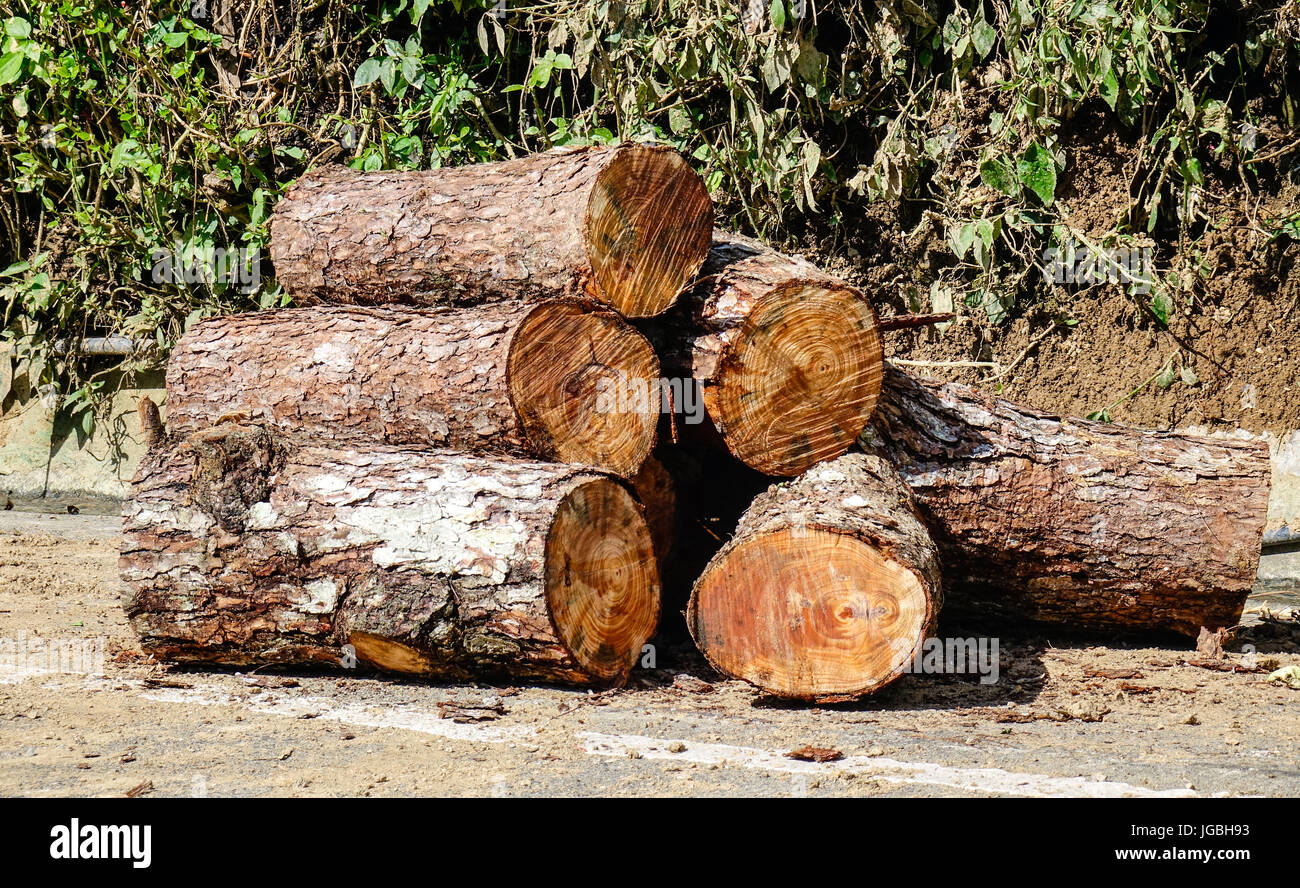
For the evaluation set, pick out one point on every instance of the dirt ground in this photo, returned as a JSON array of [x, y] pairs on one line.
[[1078, 348], [1065, 717]]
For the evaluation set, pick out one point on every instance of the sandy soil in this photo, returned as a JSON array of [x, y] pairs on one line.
[[1065, 717]]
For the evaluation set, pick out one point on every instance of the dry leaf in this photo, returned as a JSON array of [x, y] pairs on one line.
[[815, 754]]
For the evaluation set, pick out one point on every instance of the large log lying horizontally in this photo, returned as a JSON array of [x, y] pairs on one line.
[[239, 549], [1066, 521], [828, 589], [504, 378], [629, 225], [788, 358]]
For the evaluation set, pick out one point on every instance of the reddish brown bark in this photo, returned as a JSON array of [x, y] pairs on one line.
[[628, 225], [241, 549], [506, 378], [1088, 525]]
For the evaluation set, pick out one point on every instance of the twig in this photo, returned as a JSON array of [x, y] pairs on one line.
[[1033, 343], [912, 321], [972, 364]]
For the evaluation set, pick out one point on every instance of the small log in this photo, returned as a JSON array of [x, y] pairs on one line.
[[508, 378], [788, 359], [828, 589], [1088, 525], [656, 490], [628, 225], [241, 549]]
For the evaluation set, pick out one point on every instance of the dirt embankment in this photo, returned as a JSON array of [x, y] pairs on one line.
[[1226, 356]]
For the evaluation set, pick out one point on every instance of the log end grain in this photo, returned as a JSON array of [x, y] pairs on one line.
[[648, 229], [602, 581], [657, 492], [800, 379], [809, 614], [564, 362], [828, 590]]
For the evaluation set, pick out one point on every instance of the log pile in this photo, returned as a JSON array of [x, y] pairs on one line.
[[452, 459]]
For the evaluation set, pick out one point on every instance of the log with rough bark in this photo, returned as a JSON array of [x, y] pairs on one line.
[[507, 378], [827, 591], [628, 225], [1084, 524], [788, 359], [241, 549]]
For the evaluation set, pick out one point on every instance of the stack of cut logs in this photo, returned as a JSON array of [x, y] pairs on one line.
[[440, 464]]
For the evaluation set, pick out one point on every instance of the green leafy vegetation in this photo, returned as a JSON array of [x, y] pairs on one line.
[[130, 128]]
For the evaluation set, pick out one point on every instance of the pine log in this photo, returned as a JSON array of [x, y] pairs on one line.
[[1088, 525], [241, 549], [628, 225], [787, 358], [656, 490], [507, 378], [828, 589]]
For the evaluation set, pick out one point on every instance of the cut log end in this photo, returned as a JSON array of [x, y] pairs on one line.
[[564, 363], [810, 614], [800, 380], [649, 226], [602, 583], [657, 491], [391, 656]]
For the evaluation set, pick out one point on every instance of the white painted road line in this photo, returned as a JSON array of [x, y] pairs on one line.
[[989, 780], [412, 718], [356, 715]]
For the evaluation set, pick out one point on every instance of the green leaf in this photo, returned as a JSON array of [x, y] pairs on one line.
[[411, 71], [418, 9], [961, 238], [1037, 170], [778, 15], [18, 27], [367, 73], [387, 74], [810, 66], [11, 65], [983, 38], [998, 175], [1109, 88], [679, 121], [1161, 305], [175, 39]]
